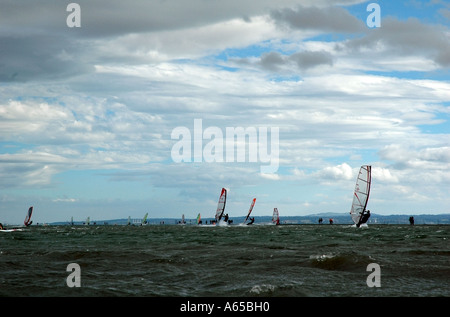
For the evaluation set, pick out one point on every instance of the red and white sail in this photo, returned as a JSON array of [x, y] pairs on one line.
[[276, 216], [250, 210], [221, 204], [27, 220]]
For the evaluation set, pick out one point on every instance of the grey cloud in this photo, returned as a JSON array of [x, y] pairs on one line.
[[36, 43], [39, 56], [328, 19], [308, 59], [404, 38], [116, 17], [274, 61]]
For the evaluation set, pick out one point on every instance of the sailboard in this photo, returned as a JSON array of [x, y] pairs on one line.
[[361, 194], [183, 222], [276, 217], [250, 210], [221, 205], [27, 222], [11, 230]]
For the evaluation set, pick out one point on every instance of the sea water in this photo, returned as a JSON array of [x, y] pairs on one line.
[[230, 261]]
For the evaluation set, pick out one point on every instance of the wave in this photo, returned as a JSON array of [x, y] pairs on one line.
[[350, 262]]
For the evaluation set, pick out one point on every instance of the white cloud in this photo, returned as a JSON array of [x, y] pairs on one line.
[[341, 171], [383, 175]]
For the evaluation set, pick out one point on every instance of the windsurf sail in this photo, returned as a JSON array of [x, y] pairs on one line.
[[199, 219], [361, 193], [250, 210], [276, 216], [144, 220], [221, 205], [182, 219], [88, 220], [27, 222], [129, 221]]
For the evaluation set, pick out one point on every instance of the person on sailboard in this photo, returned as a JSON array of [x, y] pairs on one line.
[[411, 221], [365, 217], [252, 220], [1, 226], [225, 218]]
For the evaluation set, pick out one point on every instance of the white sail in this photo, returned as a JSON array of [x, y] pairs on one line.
[[221, 205], [361, 193]]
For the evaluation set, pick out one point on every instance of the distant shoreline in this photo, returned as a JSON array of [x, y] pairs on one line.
[[338, 219], [312, 219]]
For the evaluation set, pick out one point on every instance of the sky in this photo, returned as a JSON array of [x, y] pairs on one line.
[[118, 108]]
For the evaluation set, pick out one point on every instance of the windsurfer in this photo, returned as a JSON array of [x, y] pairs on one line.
[[364, 218], [252, 220]]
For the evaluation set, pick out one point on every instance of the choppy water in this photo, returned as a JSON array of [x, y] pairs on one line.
[[236, 261]]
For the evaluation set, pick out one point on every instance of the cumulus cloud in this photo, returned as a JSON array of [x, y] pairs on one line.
[[433, 158], [342, 171]]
